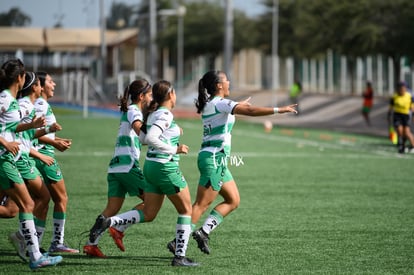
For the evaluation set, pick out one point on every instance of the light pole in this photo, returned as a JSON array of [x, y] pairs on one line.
[[102, 66], [228, 38], [275, 58], [152, 40], [181, 11]]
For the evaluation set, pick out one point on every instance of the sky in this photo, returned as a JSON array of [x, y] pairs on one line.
[[85, 13]]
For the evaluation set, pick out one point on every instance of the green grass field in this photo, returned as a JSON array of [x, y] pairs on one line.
[[312, 202]]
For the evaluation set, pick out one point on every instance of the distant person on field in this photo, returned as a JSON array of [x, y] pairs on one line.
[[401, 104], [295, 92], [368, 96]]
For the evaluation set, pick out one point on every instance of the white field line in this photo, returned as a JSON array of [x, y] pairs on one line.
[[258, 155], [359, 147], [357, 151]]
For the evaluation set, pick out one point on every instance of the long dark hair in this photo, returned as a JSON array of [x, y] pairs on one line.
[[207, 88], [160, 91], [9, 72], [30, 80], [133, 90], [42, 78]]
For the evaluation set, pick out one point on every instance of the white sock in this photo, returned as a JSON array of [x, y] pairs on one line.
[[28, 231], [125, 219], [58, 231], [182, 234], [213, 220], [40, 230]]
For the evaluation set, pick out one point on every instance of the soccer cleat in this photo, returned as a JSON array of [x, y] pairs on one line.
[[183, 261], [62, 248], [44, 261], [117, 236], [18, 242], [93, 251], [101, 224], [171, 246], [202, 240]]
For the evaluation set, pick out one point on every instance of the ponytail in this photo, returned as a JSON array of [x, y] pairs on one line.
[[123, 100], [133, 90], [202, 99], [207, 88]]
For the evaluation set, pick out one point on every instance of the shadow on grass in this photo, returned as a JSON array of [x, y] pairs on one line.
[[113, 261]]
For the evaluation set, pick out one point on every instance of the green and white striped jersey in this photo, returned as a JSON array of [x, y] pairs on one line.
[[218, 122], [128, 146], [27, 113], [42, 108], [9, 119], [164, 119]]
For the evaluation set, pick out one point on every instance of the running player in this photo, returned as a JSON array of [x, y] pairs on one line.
[[12, 78], [52, 174], [162, 172], [124, 173], [26, 165], [218, 118]]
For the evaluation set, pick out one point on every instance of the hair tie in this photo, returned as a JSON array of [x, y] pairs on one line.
[[145, 89], [30, 83]]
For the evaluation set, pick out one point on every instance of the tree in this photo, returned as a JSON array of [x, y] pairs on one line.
[[355, 29], [345, 27], [396, 19], [14, 18], [204, 30], [120, 16]]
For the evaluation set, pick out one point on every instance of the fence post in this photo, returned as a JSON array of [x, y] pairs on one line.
[[85, 95]]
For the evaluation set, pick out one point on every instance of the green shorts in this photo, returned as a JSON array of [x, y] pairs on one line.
[[213, 169], [50, 173], [121, 184], [27, 168], [9, 174], [163, 178], [366, 109]]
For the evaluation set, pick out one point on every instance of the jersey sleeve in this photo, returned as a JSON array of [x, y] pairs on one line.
[[134, 115], [41, 108], [163, 120], [226, 106], [4, 104]]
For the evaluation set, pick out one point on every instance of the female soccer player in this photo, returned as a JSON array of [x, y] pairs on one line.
[[124, 173], [162, 172], [217, 115], [52, 174], [12, 77], [26, 165]]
